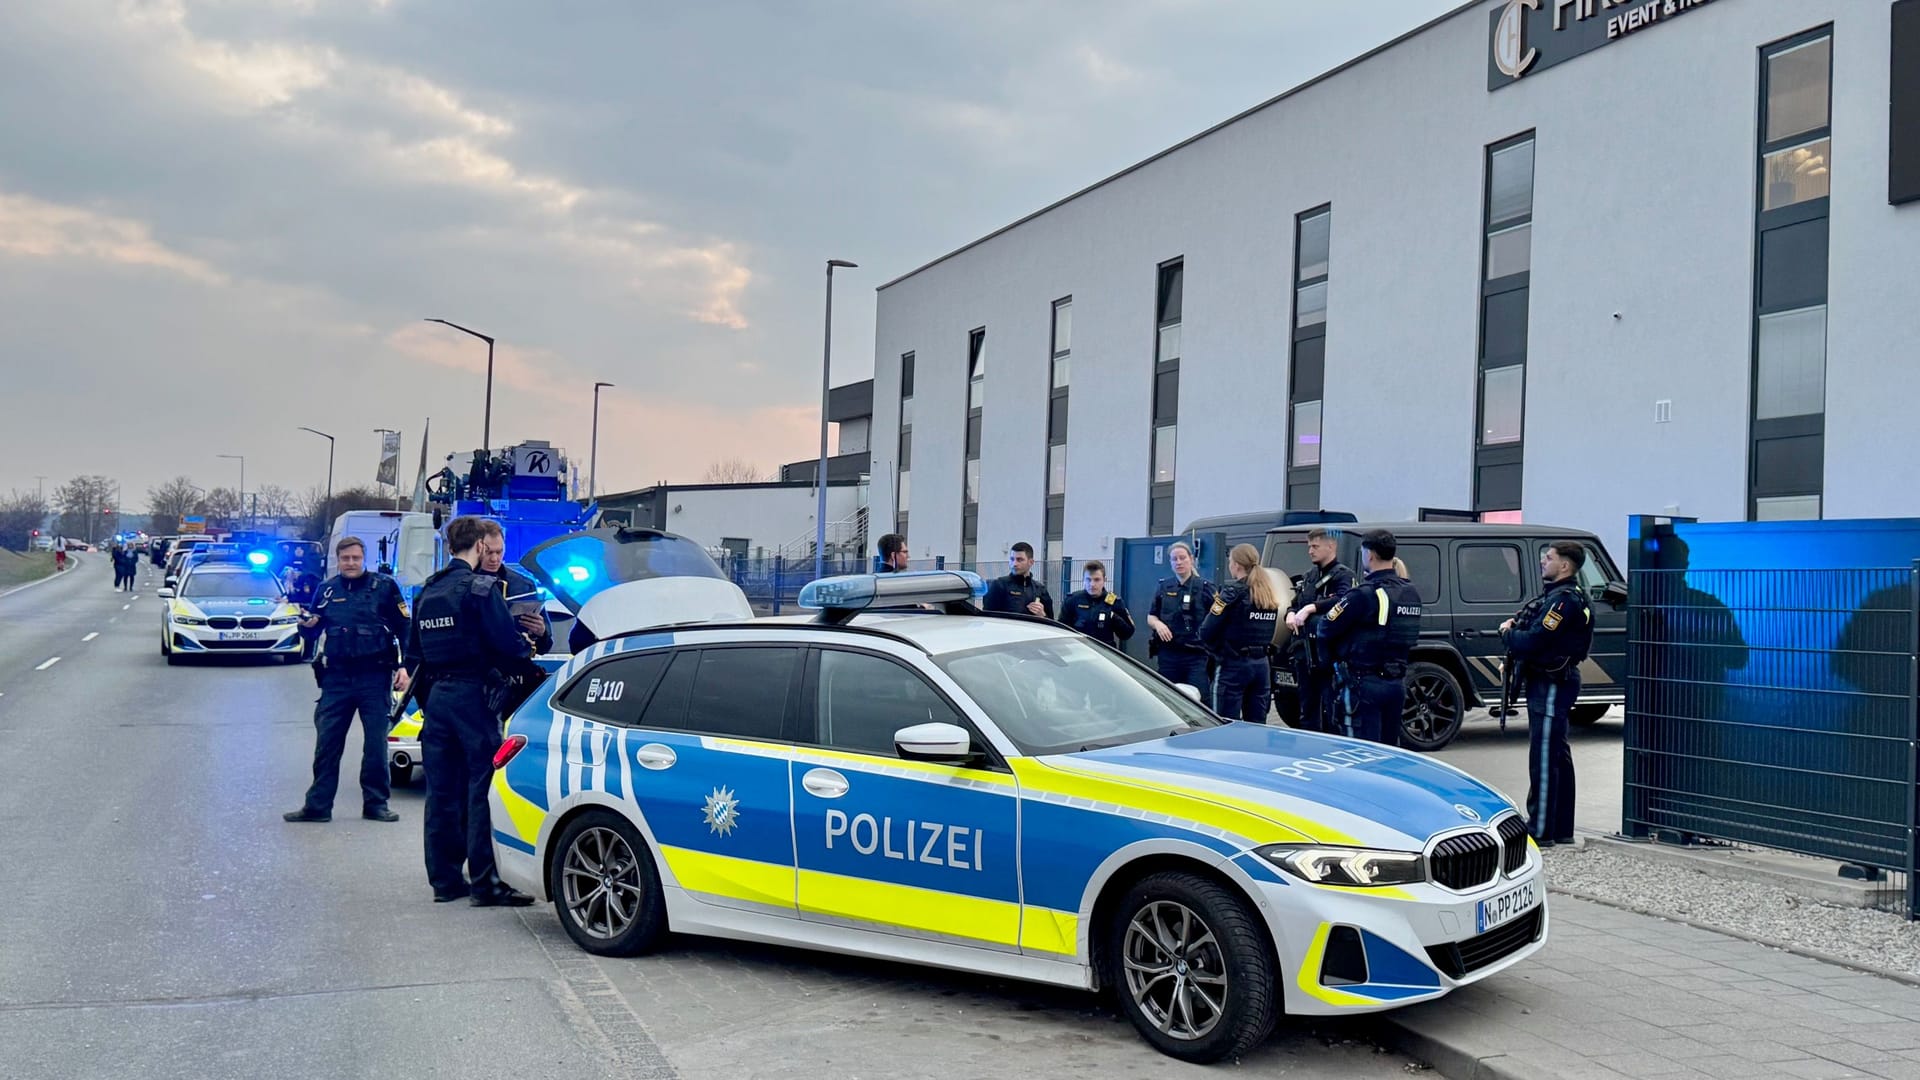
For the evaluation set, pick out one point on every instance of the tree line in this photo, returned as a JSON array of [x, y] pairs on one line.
[[88, 507]]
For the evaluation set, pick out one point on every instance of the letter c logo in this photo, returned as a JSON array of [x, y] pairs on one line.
[[1511, 53]]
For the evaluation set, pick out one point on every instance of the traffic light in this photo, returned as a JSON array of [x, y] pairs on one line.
[[36, 534]]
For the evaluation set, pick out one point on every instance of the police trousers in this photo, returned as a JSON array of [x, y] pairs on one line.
[[1313, 685], [1550, 699], [1369, 706], [1243, 688], [1186, 666], [343, 694], [458, 739]]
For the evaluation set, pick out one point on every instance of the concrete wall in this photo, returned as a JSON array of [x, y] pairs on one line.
[[1643, 205], [767, 517]]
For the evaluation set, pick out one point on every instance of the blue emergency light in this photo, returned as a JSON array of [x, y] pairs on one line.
[[259, 558], [854, 592]]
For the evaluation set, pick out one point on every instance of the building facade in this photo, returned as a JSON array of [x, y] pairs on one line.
[[1559, 261]]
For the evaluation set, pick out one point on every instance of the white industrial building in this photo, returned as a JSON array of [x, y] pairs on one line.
[[1556, 260]]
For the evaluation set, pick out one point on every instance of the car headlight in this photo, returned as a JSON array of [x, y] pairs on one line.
[[188, 620], [1361, 867]]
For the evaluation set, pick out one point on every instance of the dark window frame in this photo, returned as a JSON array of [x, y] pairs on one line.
[[1302, 479], [807, 722], [1058, 406], [903, 455], [972, 447], [637, 704], [1170, 289], [1486, 458], [1460, 578]]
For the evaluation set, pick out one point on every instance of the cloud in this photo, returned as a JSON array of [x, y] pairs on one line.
[[33, 228]]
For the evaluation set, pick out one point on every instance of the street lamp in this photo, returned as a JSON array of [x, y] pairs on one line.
[[329, 438], [486, 422], [593, 454], [242, 459], [820, 477]]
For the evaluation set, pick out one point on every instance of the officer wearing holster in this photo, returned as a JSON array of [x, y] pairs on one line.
[[1548, 639], [1095, 611], [1321, 587], [1180, 603], [1238, 630], [360, 618], [462, 641], [1019, 592], [1371, 633], [527, 604]]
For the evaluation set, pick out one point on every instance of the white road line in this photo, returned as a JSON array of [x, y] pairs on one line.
[[124, 607], [91, 636], [48, 664]]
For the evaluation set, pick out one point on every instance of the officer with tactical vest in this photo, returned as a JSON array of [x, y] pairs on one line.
[[360, 618], [1371, 632], [1239, 629], [1548, 639], [1321, 587], [1180, 603], [1095, 611], [462, 643]]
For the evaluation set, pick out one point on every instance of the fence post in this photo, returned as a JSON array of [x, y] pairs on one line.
[[1913, 740], [779, 564], [1066, 578], [939, 562]]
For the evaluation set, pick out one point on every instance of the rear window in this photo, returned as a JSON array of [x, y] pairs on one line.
[[1489, 573], [1288, 555], [1423, 569]]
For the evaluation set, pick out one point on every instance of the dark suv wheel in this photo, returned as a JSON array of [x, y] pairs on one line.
[[1587, 715], [1434, 707]]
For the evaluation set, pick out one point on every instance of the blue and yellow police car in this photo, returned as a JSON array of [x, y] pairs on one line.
[[899, 776], [225, 605]]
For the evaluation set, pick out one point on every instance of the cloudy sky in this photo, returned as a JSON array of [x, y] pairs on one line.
[[224, 219]]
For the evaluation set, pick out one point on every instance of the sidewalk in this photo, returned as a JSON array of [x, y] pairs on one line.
[[1616, 995]]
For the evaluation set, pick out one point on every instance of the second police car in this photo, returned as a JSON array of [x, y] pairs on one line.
[[223, 604], [1002, 796]]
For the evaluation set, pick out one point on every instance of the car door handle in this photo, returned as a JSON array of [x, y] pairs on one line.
[[1469, 633], [825, 783], [655, 756]]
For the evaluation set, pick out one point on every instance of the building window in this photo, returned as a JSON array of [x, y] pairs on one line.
[[1166, 396], [1505, 281], [976, 395], [905, 450], [1786, 456], [1061, 355], [1903, 105], [1312, 258]]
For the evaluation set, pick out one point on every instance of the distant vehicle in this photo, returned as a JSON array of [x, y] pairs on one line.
[[43, 543], [223, 605], [400, 543], [1472, 577]]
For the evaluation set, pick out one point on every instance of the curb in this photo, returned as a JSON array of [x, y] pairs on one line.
[[56, 575]]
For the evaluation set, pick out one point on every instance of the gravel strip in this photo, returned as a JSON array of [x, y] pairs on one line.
[[1878, 939]]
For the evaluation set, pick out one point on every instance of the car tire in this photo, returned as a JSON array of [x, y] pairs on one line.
[[1286, 702], [1151, 929], [1434, 709], [1587, 715], [604, 843], [399, 775], [174, 659]]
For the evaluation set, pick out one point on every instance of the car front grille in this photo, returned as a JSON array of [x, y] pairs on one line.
[[254, 622], [1465, 957], [1513, 837], [261, 643], [223, 622], [1466, 861]]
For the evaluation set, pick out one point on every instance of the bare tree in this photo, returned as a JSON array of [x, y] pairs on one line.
[[170, 502], [21, 512], [86, 507], [273, 501], [223, 505], [321, 513], [734, 471]]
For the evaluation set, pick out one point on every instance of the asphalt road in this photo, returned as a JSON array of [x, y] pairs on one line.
[[159, 920], [1500, 759]]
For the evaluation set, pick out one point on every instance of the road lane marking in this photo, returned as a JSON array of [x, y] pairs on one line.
[[124, 607], [91, 636], [48, 664]]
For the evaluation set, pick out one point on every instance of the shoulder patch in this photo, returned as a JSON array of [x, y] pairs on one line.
[[1111, 599], [1219, 606], [1337, 609], [1552, 621]]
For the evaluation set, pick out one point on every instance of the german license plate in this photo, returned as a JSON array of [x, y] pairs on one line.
[[1282, 677], [1508, 906], [241, 635]]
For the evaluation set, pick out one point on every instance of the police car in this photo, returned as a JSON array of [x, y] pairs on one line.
[[997, 795], [225, 605]]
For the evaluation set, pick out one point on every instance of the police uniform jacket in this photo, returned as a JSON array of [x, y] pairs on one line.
[[1555, 631], [361, 618], [1014, 592], [1234, 627], [519, 584], [1103, 618], [1375, 625], [462, 628], [1323, 589], [1182, 606]]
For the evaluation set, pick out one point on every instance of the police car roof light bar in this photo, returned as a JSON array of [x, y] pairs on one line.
[[840, 598]]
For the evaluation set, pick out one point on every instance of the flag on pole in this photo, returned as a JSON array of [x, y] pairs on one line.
[[389, 472], [420, 479]]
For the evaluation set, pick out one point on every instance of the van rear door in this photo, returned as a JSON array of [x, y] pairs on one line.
[[1492, 578]]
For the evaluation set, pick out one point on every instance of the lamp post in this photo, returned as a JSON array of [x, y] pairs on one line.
[[329, 438], [593, 453], [486, 422], [820, 475], [242, 459]]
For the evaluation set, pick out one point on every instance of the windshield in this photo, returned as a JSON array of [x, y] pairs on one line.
[[1062, 695], [580, 565], [229, 586]]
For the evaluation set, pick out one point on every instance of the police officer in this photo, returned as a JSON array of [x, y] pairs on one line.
[[893, 553], [1549, 638], [360, 618], [1019, 592], [1321, 587], [1238, 629], [1180, 603], [529, 613], [461, 640], [1372, 631], [1095, 611]]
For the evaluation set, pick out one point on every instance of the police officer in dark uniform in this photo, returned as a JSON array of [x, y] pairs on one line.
[[1180, 603], [1095, 611], [528, 607], [1019, 592], [893, 553], [1321, 587], [1238, 629], [1548, 639], [462, 640], [361, 617], [1372, 631]]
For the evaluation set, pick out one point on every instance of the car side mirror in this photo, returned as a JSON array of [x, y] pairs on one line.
[[1615, 593], [1190, 691], [946, 743], [166, 594]]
